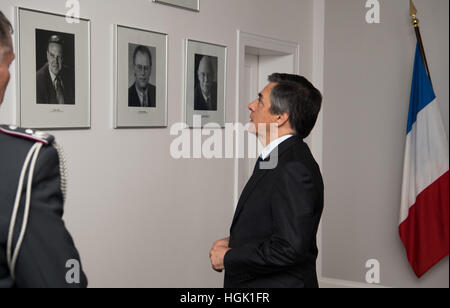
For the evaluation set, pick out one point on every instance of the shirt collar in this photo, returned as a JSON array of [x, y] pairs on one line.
[[206, 97], [268, 149], [52, 76], [141, 92]]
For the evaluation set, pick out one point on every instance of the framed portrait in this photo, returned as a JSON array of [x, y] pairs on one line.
[[140, 70], [192, 5], [54, 90], [205, 83]]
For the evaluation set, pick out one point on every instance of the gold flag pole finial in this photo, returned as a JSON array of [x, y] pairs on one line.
[[413, 11], [415, 22]]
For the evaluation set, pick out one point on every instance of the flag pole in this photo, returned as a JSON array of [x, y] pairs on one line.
[[415, 22]]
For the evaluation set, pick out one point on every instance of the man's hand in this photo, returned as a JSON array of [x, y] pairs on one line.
[[222, 243], [217, 254]]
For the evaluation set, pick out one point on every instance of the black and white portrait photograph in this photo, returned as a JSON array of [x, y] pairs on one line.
[[140, 78], [205, 79], [55, 63], [205, 83], [54, 71]]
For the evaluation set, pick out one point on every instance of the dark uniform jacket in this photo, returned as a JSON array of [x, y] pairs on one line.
[[47, 246], [273, 235]]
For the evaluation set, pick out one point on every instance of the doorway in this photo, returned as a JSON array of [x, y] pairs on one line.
[[259, 57]]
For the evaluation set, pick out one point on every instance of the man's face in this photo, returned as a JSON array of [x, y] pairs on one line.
[[55, 58], [6, 58], [142, 70], [260, 112], [205, 76]]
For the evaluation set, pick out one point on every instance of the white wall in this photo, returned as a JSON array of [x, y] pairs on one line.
[[140, 218], [367, 84], [149, 221]]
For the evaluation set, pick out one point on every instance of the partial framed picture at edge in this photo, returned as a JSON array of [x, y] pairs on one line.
[[191, 5], [205, 86], [54, 90], [140, 70]]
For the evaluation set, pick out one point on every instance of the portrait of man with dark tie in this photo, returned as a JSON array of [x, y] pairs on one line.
[[55, 79], [205, 98], [142, 93]]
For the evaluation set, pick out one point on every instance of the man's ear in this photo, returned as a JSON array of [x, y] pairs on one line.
[[282, 119]]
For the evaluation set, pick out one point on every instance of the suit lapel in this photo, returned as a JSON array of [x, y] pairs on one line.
[[248, 189], [150, 96], [258, 176], [136, 99]]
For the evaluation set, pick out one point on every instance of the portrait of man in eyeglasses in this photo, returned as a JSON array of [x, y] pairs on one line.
[[142, 93]]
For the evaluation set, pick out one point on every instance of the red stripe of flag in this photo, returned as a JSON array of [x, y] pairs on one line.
[[425, 232]]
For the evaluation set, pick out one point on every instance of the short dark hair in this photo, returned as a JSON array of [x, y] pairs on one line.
[[296, 96], [5, 31], [144, 50]]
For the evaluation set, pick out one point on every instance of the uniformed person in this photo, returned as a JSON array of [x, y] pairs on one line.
[[36, 250]]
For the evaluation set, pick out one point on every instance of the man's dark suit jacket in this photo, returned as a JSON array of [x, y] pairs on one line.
[[199, 99], [47, 244], [273, 235], [45, 89], [133, 97]]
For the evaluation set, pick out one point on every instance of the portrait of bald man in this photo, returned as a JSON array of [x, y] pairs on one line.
[[55, 78], [205, 98]]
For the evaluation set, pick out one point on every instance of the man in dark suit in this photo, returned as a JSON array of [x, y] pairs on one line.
[[272, 241], [205, 98], [55, 82], [142, 93], [36, 250]]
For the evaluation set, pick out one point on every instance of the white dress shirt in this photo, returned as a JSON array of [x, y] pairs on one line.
[[268, 149], [53, 77], [142, 95]]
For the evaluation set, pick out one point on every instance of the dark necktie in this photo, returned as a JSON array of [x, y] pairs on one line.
[[145, 100], [59, 91]]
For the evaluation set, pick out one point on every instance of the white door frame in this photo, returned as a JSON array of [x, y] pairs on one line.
[[247, 40]]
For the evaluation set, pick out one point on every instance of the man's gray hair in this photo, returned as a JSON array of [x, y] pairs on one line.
[[5, 31], [296, 96]]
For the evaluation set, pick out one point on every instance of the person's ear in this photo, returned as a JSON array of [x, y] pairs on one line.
[[282, 119]]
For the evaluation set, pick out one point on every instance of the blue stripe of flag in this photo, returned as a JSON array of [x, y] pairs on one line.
[[422, 92]]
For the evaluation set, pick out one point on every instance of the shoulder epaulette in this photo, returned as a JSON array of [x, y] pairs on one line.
[[27, 133]]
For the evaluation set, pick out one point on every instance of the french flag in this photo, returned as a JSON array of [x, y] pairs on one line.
[[424, 214]]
